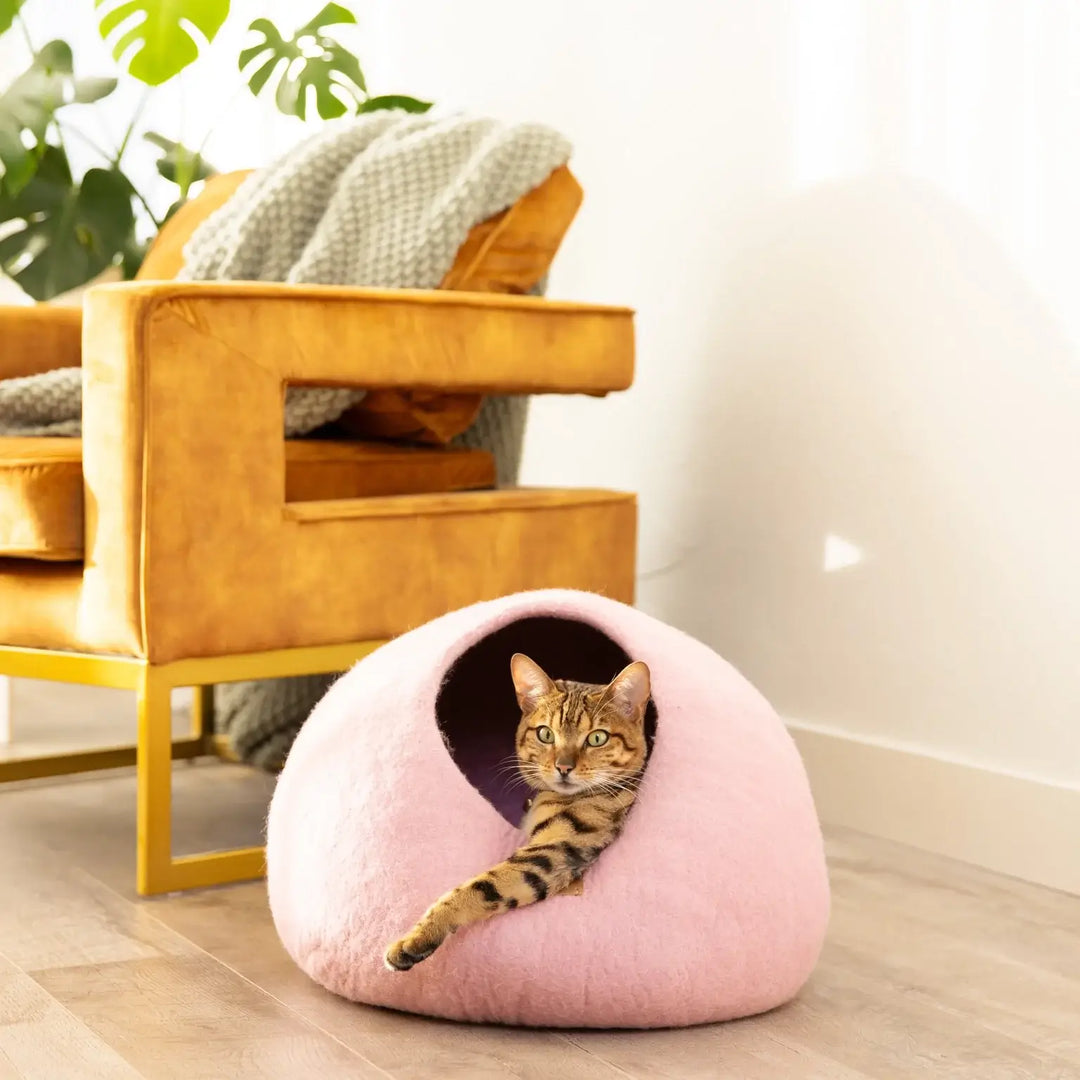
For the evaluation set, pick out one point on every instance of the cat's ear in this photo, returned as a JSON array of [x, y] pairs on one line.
[[530, 682], [628, 693]]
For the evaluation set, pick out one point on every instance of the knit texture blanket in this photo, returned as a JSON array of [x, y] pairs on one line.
[[384, 200]]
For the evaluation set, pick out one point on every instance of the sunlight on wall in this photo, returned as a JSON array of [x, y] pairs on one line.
[[828, 95], [840, 554], [978, 99]]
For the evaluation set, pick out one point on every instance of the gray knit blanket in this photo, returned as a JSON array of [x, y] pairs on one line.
[[384, 200]]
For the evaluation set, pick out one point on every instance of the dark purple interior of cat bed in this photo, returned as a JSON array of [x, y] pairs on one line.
[[477, 710]]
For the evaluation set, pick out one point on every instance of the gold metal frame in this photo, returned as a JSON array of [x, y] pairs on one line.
[[157, 870]]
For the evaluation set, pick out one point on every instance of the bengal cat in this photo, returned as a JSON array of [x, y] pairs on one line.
[[582, 748]]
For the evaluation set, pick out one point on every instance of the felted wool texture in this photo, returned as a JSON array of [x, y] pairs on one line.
[[713, 903]]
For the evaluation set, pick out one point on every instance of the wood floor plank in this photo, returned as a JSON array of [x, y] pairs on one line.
[[978, 977], [745, 1049], [63, 917], [972, 905], [235, 927], [864, 1023], [152, 996], [190, 1017], [41, 1040]]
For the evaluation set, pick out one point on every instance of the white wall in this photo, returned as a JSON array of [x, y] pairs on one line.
[[850, 230]]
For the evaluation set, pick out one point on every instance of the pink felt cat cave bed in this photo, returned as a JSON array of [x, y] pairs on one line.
[[711, 905]]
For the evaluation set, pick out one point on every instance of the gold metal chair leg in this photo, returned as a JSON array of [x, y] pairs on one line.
[[156, 869], [79, 761], [154, 782]]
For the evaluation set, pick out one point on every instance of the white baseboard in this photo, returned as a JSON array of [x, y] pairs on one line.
[[1016, 825]]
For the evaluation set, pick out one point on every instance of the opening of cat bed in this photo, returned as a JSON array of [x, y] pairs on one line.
[[477, 711]]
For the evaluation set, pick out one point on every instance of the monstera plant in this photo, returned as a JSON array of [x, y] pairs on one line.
[[59, 230]]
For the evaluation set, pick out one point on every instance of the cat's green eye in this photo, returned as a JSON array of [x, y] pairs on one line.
[[597, 738], [545, 734]]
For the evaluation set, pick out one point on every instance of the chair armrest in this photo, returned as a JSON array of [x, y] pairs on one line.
[[39, 338], [393, 338], [190, 546]]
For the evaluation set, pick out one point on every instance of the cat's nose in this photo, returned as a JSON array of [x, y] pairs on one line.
[[563, 769]]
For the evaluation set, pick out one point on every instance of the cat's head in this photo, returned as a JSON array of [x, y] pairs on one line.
[[576, 737]]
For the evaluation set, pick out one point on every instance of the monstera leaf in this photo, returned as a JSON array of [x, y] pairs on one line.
[[163, 45], [395, 101], [54, 62], [29, 104], [309, 59], [65, 233], [179, 164], [8, 10]]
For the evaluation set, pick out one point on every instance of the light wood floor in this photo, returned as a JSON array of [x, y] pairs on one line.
[[932, 969]]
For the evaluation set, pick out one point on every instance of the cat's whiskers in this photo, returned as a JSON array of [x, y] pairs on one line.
[[610, 784], [511, 771], [531, 773]]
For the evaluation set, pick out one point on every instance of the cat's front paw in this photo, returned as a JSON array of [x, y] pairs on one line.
[[576, 887], [409, 951]]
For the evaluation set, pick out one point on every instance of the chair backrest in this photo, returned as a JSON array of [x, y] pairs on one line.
[[165, 259], [508, 253]]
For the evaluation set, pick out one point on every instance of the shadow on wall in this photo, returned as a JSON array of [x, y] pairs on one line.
[[890, 504]]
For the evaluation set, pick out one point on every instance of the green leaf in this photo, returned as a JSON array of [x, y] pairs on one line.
[[8, 10], [309, 60], [54, 58], [395, 101], [179, 164], [331, 15], [29, 104], [67, 233], [162, 44], [93, 88]]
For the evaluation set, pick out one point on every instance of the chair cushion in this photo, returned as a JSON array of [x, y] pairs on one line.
[[318, 469], [41, 484], [41, 499]]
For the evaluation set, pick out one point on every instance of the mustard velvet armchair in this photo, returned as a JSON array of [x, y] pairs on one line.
[[183, 542]]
